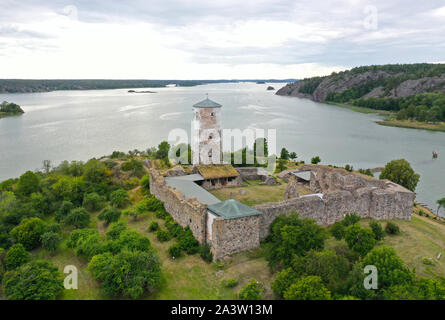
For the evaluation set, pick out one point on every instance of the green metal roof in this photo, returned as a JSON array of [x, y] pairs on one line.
[[207, 103], [231, 209]]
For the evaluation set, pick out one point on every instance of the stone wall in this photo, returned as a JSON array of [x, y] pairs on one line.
[[219, 183], [189, 212], [234, 235], [252, 173]]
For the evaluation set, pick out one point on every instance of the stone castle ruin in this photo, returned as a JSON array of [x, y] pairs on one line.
[[230, 226]]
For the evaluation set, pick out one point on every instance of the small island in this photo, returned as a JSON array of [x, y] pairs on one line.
[[8, 109], [145, 91], [270, 88]]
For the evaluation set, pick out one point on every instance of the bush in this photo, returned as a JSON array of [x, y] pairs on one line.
[[174, 228], [78, 217], [162, 235], [109, 215], [205, 253], [229, 283], [16, 256], [119, 198], [145, 184], [64, 210], [360, 240], [175, 250], [252, 291], [29, 232], [86, 242], [315, 160], [350, 219], [92, 201], [50, 241], [392, 228], [187, 241], [36, 280], [377, 229], [338, 230], [154, 226], [161, 214], [283, 281], [115, 230], [307, 288], [428, 261]]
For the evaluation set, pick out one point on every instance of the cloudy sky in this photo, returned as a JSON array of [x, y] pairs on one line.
[[214, 39]]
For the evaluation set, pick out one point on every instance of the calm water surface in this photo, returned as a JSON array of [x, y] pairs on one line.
[[78, 125]]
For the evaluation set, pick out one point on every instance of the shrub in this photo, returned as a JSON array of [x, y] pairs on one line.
[[338, 230], [53, 227], [119, 198], [154, 226], [78, 217], [400, 172], [350, 219], [175, 250], [392, 228], [252, 291], [307, 288], [283, 281], [64, 210], [315, 160], [161, 214], [428, 261], [29, 232], [205, 253], [109, 215], [16, 256], [92, 201], [174, 228], [145, 184], [229, 283], [360, 240], [35, 280], [162, 235], [50, 241], [187, 241], [86, 242], [115, 230], [377, 229]]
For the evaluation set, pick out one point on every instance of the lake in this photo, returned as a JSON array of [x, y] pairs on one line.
[[78, 125]]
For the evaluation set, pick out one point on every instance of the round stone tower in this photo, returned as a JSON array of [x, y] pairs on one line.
[[206, 127]]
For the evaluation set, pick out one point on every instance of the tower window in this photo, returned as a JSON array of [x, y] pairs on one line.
[[210, 137], [212, 114], [210, 153]]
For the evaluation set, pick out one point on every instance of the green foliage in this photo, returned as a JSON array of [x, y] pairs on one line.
[[93, 202], [229, 283], [78, 218], [95, 171], [40, 203], [360, 240], [154, 226], [10, 107], [145, 184], [29, 232], [366, 172], [349, 168], [50, 241], [115, 230], [307, 288], [293, 155], [109, 215], [310, 84], [206, 253], [64, 209], [28, 183], [283, 281], [36, 280], [251, 291], [135, 166], [86, 243], [338, 228], [281, 166], [377, 229], [292, 236], [129, 273], [175, 250], [161, 214], [119, 198], [163, 149], [284, 154], [162, 235], [400, 172], [315, 160], [16, 256], [392, 228], [187, 241]]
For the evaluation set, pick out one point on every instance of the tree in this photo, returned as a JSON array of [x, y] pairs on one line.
[[284, 154], [163, 149], [251, 291], [283, 281], [293, 155], [94, 171], [392, 228], [400, 172], [50, 241], [145, 184], [377, 229], [360, 240], [29, 232], [175, 251], [129, 273], [110, 215], [40, 203], [16, 256], [78, 217], [281, 165], [119, 198], [440, 203], [315, 160], [64, 210], [46, 166], [260, 144], [28, 183], [36, 280], [92, 201], [391, 269], [307, 288]]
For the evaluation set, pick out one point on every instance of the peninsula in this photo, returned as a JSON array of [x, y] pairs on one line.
[[8, 109]]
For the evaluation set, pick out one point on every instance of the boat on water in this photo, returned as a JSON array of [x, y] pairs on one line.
[[435, 154]]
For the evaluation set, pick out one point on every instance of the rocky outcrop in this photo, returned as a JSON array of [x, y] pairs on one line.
[[175, 172], [291, 189]]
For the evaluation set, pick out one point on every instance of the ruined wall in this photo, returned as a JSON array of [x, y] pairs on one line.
[[234, 235], [343, 192], [222, 183], [189, 212], [252, 173]]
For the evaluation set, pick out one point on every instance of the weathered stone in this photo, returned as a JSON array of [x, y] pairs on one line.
[[270, 181], [291, 189], [176, 171]]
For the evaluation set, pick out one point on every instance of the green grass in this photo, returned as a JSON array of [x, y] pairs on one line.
[[357, 109], [413, 124]]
